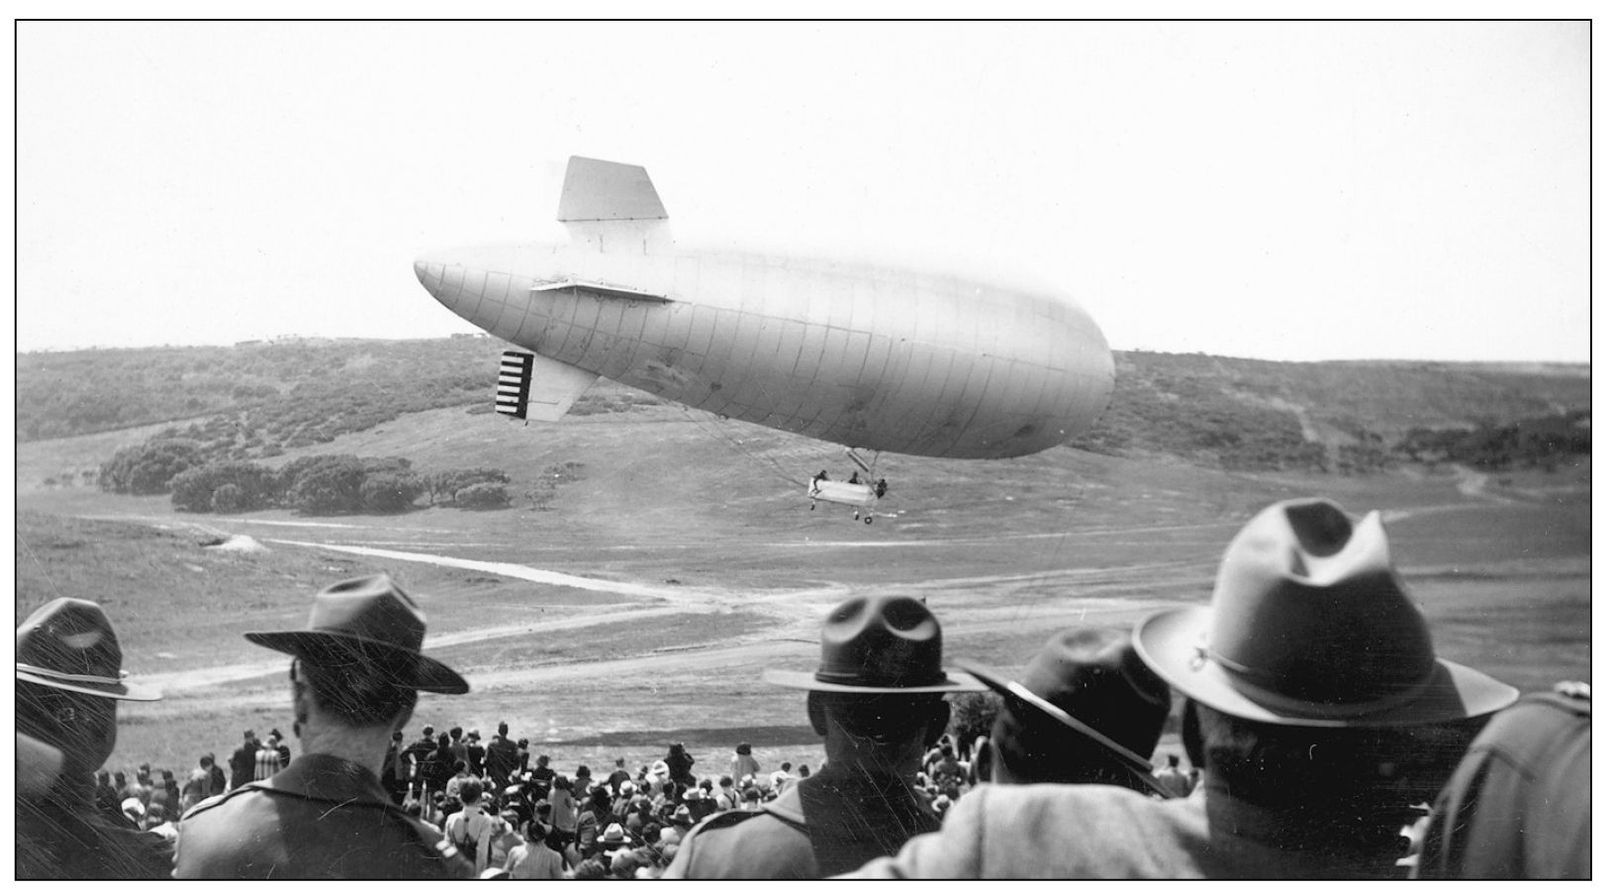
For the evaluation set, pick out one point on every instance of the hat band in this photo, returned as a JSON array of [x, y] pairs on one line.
[[71, 678], [852, 679], [1244, 680]]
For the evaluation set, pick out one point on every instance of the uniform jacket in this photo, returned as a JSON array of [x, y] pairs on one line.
[[1519, 806], [322, 817], [1095, 831], [58, 841], [776, 841]]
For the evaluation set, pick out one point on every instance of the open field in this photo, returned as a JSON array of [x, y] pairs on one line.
[[641, 606]]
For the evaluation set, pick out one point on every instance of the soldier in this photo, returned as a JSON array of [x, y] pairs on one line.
[[1316, 707], [69, 678], [1088, 710], [878, 699], [355, 677]]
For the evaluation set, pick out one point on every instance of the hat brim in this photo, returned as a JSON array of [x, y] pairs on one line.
[[1169, 641], [806, 680], [109, 690], [429, 676], [1016, 692]]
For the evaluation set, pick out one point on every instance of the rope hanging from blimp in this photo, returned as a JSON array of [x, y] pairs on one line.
[[770, 465]]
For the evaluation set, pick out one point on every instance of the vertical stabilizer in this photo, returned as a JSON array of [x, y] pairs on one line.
[[611, 206]]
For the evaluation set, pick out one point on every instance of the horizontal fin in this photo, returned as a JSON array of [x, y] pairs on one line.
[[532, 386], [599, 289]]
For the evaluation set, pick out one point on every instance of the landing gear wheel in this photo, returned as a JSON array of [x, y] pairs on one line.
[[868, 520], [812, 505]]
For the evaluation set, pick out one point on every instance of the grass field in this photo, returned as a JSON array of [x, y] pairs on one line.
[[697, 564]]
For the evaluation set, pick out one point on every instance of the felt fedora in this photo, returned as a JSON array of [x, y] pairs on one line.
[[1311, 625], [370, 620], [69, 644], [1091, 681], [878, 643]]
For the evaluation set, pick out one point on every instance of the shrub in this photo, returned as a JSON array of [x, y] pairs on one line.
[[228, 498], [482, 496], [329, 488], [197, 488], [149, 469], [390, 492]]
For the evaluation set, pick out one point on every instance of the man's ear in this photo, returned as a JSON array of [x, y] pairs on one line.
[[937, 722], [818, 713]]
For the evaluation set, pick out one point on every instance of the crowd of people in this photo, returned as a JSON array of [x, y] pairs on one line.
[[1325, 739]]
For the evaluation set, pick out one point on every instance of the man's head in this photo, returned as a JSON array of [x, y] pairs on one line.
[[456, 733], [69, 679], [470, 791], [1313, 665], [502, 729], [1087, 710], [359, 664], [207, 760], [880, 683]]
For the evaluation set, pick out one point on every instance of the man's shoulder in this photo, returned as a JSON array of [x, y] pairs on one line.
[[746, 844]]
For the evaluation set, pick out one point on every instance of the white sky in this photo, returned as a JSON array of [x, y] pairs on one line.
[[1273, 190]]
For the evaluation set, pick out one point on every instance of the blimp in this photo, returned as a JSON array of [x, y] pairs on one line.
[[876, 359]]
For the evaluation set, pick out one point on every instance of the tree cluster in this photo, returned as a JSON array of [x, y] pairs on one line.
[[316, 485]]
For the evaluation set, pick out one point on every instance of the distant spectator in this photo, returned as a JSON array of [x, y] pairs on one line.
[[502, 756], [415, 756], [743, 763], [469, 828], [394, 770], [106, 798], [1174, 780], [243, 763], [197, 786], [477, 756], [877, 698], [156, 821], [680, 764], [726, 796], [781, 777], [618, 776], [1316, 706], [460, 748], [534, 859], [562, 831], [267, 758], [542, 777], [1519, 806]]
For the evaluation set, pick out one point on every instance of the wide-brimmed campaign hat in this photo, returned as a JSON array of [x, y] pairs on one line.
[[878, 643], [368, 618], [69, 644], [1310, 625], [1091, 681]]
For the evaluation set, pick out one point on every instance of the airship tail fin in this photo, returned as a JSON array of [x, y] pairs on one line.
[[613, 206], [532, 386]]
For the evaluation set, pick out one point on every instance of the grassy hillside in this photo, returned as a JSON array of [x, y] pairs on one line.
[[256, 401]]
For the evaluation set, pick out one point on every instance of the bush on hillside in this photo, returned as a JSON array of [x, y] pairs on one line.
[[446, 484], [331, 487], [149, 469], [251, 486], [390, 492], [482, 496]]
